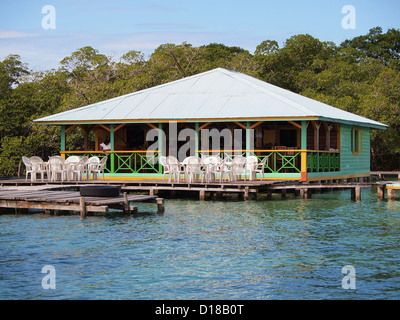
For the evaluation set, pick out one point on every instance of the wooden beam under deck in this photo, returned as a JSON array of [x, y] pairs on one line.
[[69, 200], [72, 201]]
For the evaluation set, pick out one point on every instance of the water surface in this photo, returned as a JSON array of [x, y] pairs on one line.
[[259, 249]]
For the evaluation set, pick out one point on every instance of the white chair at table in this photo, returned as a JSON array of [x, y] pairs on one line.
[[79, 169], [38, 166], [194, 168], [239, 167], [224, 170], [99, 169], [184, 168], [62, 159], [71, 162], [92, 166], [163, 161], [174, 168], [57, 166], [212, 167], [260, 167], [251, 165], [28, 168]]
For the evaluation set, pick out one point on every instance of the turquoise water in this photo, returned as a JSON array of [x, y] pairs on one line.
[[259, 249]]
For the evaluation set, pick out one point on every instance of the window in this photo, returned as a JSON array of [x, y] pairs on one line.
[[356, 141]]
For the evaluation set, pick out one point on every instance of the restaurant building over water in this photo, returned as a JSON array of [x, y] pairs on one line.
[[303, 139]]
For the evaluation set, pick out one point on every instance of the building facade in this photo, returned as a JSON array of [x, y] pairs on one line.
[[226, 113]]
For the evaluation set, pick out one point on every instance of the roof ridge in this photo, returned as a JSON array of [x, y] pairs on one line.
[[241, 77]]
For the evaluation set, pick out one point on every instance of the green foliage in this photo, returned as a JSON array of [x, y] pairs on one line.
[[361, 75], [381, 46]]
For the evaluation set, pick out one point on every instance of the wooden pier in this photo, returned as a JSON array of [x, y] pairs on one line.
[[57, 196], [54, 201]]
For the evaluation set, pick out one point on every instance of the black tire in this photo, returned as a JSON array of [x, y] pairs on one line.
[[100, 191]]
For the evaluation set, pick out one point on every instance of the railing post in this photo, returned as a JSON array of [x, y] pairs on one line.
[[160, 147], [196, 141], [248, 137], [112, 169], [303, 147], [63, 140]]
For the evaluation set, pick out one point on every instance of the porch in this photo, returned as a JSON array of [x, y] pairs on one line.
[[293, 148]]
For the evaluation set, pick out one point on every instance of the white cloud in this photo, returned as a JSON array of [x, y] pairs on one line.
[[10, 34]]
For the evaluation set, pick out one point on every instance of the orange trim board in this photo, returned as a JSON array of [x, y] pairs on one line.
[[396, 187], [161, 178]]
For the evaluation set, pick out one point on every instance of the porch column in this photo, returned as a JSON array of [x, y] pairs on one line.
[[160, 147], [248, 144], [112, 148], [62, 140], [316, 140], [196, 141], [304, 151]]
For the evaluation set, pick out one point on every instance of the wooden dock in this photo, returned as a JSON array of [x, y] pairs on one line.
[[54, 201], [58, 198]]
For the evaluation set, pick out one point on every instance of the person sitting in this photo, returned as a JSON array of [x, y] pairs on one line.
[[106, 145]]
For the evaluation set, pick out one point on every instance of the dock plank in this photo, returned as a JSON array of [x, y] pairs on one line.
[[31, 198]]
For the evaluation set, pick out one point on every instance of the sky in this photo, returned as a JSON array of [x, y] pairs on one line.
[[42, 37]]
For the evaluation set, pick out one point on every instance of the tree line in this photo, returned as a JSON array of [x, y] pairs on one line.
[[361, 75]]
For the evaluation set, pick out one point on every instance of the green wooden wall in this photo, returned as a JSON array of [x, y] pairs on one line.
[[350, 163]]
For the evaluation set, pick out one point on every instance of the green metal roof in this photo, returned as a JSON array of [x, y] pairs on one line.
[[217, 94]]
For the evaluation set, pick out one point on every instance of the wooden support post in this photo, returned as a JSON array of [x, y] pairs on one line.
[[269, 194], [381, 192], [246, 193], [283, 193], [356, 193], [126, 203], [160, 205], [82, 205], [305, 194], [391, 193], [202, 195]]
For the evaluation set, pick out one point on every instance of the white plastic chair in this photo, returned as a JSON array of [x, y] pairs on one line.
[[92, 165], [163, 161], [184, 167], [56, 166], [251, 165], [80, 168], [28, 168], [38, 166], [239, 167], [225, 171], [260, 167], [99, 169], [212, 167], [174, 168], [194, 168]]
